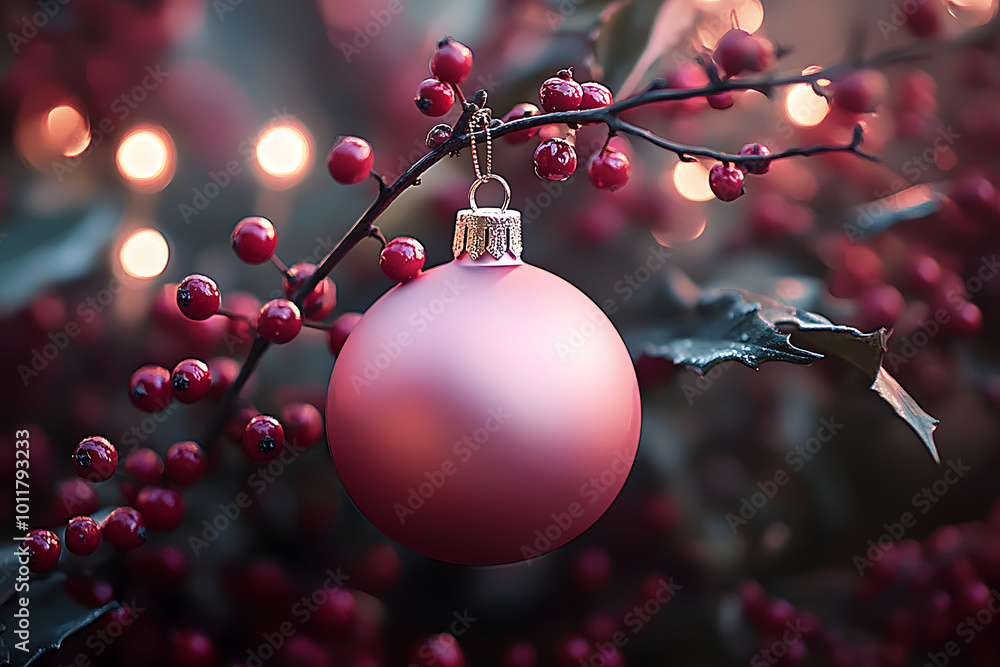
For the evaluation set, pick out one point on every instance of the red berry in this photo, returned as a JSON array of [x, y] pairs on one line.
[[76, 496], [738, 50], [254, 240], [880, 306], [302, 423], [144, 466], [755, 166], [95, 459], [341, 329], [442, 650], [924, 20], [88, 591], [149, 388], [350, 160], [43, 549], [555, 159], [434, 98], [452, 61], [974, 194], [438, 135], [239, 328], [190, 380], [236, 425], [561, 92], [609, 169], [185, 463], [521, 110], [966, 318], [321, 301], [223, 371], [263, 438], [402, 259], [721, 100], [162, 508], [923, 274], [595, 96], [726, 182], [279, 321], [198, 297], [191, 649], [83, 535], [124, 529], [860, 91]]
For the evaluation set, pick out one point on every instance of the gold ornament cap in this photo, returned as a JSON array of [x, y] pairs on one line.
[[487, 230]]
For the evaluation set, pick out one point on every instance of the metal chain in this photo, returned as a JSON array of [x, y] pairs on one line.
[[482, 116]]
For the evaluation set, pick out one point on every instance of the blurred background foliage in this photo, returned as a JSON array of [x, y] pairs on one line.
[[213, 94]]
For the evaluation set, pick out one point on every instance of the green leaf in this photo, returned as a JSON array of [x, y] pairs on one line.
[[864, 350], [913, 203], [724, 328], [622, 39]]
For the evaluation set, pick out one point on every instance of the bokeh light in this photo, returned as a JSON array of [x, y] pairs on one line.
[[973, 13], [66, 130], [283, 153], [804, 107], [691, 181], [146, 158], [144, 254]]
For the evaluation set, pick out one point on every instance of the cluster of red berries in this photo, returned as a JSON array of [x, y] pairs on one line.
[[555, 157], [726, 179], [449, 66]]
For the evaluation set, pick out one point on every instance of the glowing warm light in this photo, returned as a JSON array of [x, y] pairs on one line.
[[66, 130], [691, 181], [283, 153], [804, 107], [749, 16], [144, 254], [812, 69], [680, 229], [146, 158], [973, 13]]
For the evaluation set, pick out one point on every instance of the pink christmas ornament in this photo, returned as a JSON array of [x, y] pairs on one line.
[[486, 411]]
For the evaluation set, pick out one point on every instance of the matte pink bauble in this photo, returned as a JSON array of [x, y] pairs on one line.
[[486, 411]]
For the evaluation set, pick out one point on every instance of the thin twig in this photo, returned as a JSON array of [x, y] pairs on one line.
[[656, 92]]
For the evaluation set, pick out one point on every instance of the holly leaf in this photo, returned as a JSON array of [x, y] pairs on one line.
[[913, 203], [54, 617], [623, 37], [723, 328], [864, 350]]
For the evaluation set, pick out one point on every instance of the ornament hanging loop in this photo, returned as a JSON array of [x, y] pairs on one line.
[[482, 118], [491, 177]]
